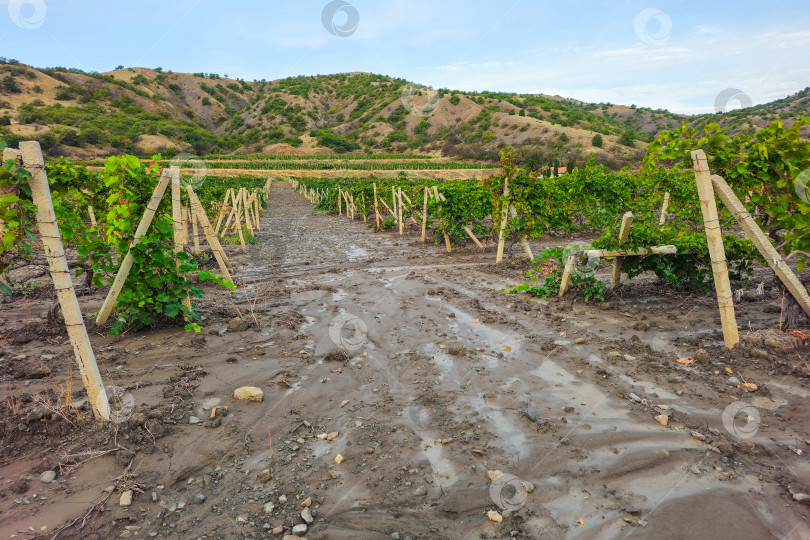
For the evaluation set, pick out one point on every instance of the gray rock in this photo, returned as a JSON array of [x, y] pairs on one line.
[[531, 414], [306, 515], [299, 529], [47, 477], [199, 498], [733, 381]]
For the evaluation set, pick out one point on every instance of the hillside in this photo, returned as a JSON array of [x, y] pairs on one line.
[[143, 111]]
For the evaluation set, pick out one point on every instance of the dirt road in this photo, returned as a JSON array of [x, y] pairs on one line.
[[445, 398]]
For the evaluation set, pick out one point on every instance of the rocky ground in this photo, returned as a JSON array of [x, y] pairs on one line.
[[392, 390]]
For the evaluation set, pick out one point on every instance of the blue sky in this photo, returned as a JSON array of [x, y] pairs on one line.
[[677, 55]]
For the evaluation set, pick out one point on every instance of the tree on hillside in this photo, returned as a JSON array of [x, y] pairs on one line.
[[628, 138], [597, 141]]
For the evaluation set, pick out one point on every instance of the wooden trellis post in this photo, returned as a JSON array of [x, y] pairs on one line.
[[717, 253], [761, 242], [60, 274], [399, 207], [126, 264], [93, 221], [210, 236], [376, 207], [424, 216], [195, 232], [664, 207], [504, 220], [624, 234], [524, 240], [179, 225]]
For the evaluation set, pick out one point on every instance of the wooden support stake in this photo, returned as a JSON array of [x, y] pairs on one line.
[[340, 206], [179, 225], [194, 231], [761, 242], [474, 238], [566, 277], [376, 207], [424, 216], [440, 197], [60, 274], [126, 263], [524, 240], [504, 220], [210, 236], [624, 234], [401, 221], [664, 207], [717, 252], [92, 216]]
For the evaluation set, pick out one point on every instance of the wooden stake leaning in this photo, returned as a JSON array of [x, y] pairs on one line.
[[474, 238], [664, 207], [761, 242], [60, 273], [194, 231], [624, 234], [717, 252], [566, 277], [210, 236], [92, 216], [126, 263]]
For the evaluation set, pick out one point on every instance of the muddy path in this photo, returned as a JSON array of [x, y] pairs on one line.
[[445, 398]]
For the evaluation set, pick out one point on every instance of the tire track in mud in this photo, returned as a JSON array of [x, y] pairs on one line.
[[453, 392]]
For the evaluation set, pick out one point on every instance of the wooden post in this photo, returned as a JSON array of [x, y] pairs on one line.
[[474, 238], [210, 236], [504, 220], [424, 216], [60, 274], [566, 277], [524, 240], [399, 214], [761, 242], [179, 226], [376, 207], [365, 213], [717, 252], [194, 231], [240, 233], [92, 216], [624, 234], [340, 206], [126, 263], [664, 207]]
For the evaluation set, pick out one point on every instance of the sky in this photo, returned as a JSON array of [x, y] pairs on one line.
[[685, 56]]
